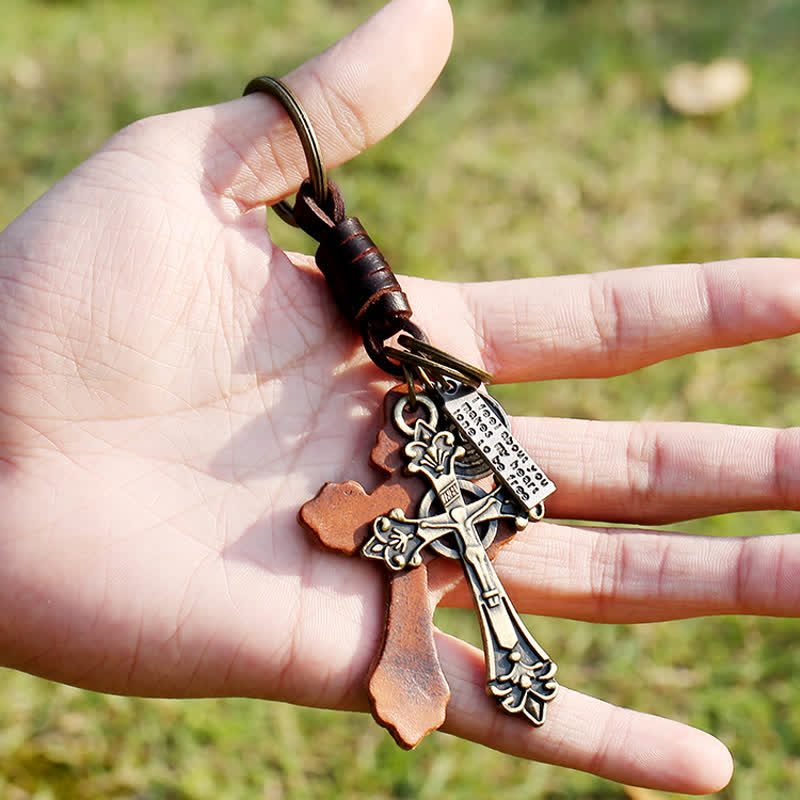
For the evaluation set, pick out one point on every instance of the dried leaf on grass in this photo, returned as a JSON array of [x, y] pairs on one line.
[[701, 90]]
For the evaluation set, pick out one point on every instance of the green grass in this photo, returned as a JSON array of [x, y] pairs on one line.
[[545, 148]]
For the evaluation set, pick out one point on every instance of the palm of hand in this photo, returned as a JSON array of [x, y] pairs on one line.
[[211, 389]]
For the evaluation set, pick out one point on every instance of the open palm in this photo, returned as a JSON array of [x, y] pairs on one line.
[[174, 387]]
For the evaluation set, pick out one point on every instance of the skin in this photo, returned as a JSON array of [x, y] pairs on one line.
[[174, 387]]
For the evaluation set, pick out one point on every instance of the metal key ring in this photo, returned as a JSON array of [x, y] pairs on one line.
[[311, 148]]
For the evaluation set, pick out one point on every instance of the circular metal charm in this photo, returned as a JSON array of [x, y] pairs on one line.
[[470, 492], [472, 465]]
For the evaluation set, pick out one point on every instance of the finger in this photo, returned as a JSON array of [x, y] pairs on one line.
[[657, 473], [610, 323], [619, 575], [583, 733], [355, 93]]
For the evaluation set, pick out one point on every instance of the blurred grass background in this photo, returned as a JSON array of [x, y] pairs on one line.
[[545, 148]]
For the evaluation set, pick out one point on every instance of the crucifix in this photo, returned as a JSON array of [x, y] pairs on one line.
[[519, 672]]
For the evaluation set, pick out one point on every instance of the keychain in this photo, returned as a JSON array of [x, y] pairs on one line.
[[456, 484]]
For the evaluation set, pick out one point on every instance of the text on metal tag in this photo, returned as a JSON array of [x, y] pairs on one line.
[[479, 422]]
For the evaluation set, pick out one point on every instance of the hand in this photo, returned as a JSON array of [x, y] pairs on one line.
[[174, 387]]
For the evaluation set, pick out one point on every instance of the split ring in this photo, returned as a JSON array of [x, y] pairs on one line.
[[302, 124]]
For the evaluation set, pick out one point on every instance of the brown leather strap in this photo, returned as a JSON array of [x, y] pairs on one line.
[[315, 220], [363, 285]]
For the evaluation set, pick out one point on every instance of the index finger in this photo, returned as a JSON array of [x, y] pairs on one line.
[[603, 324]]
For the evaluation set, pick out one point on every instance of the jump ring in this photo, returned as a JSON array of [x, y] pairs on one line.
[[311, 148], [403, 403]]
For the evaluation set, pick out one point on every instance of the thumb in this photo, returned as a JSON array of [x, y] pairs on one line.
[[355, 93]]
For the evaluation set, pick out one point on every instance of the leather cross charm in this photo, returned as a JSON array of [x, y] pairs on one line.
[[407, 688]]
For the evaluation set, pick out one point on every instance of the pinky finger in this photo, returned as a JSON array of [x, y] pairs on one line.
[[584, 733]]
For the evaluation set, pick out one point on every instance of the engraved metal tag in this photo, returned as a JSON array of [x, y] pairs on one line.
[[479, 422]]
